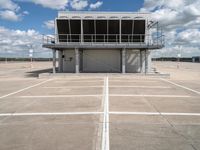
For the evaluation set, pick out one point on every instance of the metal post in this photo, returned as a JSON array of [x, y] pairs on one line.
[[107, 31], [120, 31], [77, 59], [95, 31], [157, 33], [54, 61], [81, 31], [123, 60]]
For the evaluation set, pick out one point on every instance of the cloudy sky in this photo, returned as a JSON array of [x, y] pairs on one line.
[[22, 22]]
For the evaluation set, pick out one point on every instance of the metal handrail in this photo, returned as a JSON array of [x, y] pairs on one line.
[[105, 38]]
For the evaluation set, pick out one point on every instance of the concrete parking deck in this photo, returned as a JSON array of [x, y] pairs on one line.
[[98, 112]]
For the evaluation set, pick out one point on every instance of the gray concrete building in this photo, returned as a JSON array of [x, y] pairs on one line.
[[111, 42]]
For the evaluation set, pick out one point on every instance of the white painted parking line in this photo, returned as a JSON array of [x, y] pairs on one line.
[[96, 113], [58, 96], [134, 81], [105, 134], [71, 87], [142, 95], [29, 87], [146, 87], [79, 81], [154, 113], [49, 114], [181, 86]]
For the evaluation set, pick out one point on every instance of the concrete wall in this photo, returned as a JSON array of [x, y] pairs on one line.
[[132, 61], [105, 61]]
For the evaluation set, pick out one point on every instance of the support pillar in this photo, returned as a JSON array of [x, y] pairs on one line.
[[146, 61], [141, 62], [77, 60], [60, 61], [54, 61], [123, 60]]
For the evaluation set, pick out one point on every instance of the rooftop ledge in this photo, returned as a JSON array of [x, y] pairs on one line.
[[95, 14], [62, 46]]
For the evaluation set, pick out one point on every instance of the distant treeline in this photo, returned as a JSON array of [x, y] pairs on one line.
[[189, 59], [25, 59]]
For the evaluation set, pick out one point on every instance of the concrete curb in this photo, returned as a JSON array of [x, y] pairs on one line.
[[65, 75]]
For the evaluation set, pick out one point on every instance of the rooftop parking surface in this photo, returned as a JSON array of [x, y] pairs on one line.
[[99, 111]]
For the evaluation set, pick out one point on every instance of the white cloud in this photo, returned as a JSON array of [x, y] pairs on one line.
[[173, 14], [65, 4], [53, 4], [11, 11], [10, 15], [189, 37], [17, 42], [25, 12], [180, 20], [8, 4], [49, 24], [79, 4], [96, 5]]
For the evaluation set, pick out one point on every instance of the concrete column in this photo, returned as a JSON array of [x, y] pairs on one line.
[[54, 61], [77, 60], [149, 61], [146, 61], [60, 61], [141, 62], [124, 60]]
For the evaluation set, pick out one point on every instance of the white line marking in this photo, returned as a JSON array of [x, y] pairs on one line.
[[155, 113], [141, 95], [69, 78], [81, 81], [91, 113], [135, 81], [105, 136], [58, 96], [113, 86], [49, 114], [148, 87], [184, 87], [25, 88], [103, 146], [71, 87]]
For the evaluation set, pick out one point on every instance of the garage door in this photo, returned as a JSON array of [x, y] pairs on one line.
[[101, 61]]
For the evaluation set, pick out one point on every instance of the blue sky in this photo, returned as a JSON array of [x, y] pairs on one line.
[[22, 22], [38, 14]]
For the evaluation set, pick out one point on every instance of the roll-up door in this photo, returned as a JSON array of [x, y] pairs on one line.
[[101, 61]]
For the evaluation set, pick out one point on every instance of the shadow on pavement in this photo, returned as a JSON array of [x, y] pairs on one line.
[[36, 73]]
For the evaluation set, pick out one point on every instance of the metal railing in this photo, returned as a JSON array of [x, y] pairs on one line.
[[146, 39]]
